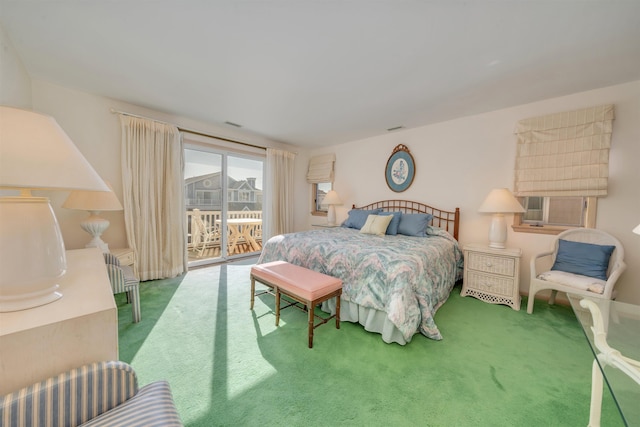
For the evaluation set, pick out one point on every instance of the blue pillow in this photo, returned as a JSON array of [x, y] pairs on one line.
[[585, 259], [392, 229], [358, 217], [414, 224]]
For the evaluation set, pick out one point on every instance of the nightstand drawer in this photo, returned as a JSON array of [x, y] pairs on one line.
[[491, 284], [126, 256], [491, 264]]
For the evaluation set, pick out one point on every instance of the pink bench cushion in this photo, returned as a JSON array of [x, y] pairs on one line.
[[302, 282]]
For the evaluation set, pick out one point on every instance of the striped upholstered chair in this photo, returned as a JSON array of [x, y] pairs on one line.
[[100, 394], [123, 279]]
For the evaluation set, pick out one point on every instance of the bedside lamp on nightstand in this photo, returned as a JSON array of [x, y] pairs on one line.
[[499, 202], [331, 199]]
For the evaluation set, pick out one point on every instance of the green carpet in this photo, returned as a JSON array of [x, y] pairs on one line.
[[230, 366]]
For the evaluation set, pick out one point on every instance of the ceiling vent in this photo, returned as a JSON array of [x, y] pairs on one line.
[[233, 124], [395, 128]]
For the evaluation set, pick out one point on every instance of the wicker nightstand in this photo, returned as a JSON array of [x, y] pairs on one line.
[[492, 275]]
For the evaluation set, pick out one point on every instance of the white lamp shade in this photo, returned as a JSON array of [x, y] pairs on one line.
[[332, 198], [36, 153], [637, 229], [93, 200], [500, 200]]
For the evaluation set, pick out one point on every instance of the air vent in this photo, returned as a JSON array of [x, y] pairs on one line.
[[395, 128], [233, 124]]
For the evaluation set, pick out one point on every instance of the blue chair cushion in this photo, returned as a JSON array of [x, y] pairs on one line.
[[586, 259]]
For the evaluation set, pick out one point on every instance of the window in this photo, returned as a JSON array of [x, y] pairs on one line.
[[552, 215], [562, 166], [320, 190]]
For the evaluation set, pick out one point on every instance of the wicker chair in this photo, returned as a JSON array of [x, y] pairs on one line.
[[204, 236], [123, 279], [541, 263]]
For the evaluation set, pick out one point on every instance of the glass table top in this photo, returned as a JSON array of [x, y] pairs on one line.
[[621, 323]]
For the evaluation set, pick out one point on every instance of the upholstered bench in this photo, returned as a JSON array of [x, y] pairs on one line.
[[305, 286]]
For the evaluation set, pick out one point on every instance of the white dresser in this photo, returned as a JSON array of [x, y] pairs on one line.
[[492, 275], [79, 328]]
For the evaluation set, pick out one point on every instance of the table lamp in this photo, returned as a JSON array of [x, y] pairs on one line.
[[331, 199], [498, 202], [35, 153], [94, 202]]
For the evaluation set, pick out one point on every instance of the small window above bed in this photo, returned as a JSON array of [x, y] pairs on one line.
[[319, 191]]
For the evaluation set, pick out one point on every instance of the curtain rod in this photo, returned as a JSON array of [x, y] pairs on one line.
[[194, 132]]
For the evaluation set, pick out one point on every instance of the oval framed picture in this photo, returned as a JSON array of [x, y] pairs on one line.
[[400, 169]]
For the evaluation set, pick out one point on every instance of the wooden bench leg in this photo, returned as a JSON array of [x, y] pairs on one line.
[[310, 309], [337, 311], [253, 291], [277, 306]]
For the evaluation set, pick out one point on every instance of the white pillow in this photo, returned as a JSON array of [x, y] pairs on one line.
[[376, 224], [577, 281]]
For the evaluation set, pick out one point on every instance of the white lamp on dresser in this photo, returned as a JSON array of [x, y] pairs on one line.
[[499, 202], [35, 154]]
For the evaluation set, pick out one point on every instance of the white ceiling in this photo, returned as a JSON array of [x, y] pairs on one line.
[[324, 72]]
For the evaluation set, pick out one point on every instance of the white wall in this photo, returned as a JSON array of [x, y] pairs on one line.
[[88, 121], [459, 161], [15, 83]]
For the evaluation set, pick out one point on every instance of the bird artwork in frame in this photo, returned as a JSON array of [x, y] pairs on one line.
[[400, 169]]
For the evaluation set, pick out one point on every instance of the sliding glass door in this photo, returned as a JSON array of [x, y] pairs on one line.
[[223, 192]]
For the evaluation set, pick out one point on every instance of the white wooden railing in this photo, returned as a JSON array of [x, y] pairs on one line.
[[210, 218]]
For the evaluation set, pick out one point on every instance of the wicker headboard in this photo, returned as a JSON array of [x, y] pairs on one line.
[[447, 220]]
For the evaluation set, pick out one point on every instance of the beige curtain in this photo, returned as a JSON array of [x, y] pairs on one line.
[[321, 169], [280, 167], [564, 154], [154, 212]]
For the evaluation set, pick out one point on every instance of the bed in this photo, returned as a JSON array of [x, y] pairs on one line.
[[393, 284]]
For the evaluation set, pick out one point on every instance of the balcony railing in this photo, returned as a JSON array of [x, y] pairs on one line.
[[205, 236]]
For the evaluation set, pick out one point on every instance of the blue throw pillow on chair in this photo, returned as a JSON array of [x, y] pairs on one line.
[[586, 259]]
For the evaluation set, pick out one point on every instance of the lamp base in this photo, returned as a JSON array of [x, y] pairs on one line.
[[96, 225], [497, 232], [331, 215], [32, 255]]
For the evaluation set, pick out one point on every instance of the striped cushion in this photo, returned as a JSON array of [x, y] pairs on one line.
[[152, 406], [111, 259], [117, 279], [70, 398]]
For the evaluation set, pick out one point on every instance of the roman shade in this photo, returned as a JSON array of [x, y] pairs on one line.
[[321, 169], [564, 154]]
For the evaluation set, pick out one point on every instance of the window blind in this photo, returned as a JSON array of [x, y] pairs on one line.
[[321, 169], [564, 154]]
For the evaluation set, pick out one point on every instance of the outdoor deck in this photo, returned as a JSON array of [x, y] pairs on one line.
[[243, 233]]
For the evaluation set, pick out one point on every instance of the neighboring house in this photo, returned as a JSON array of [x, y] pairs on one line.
[[204, 192]]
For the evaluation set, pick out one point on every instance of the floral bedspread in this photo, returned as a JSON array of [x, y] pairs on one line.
[[409, 278]]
